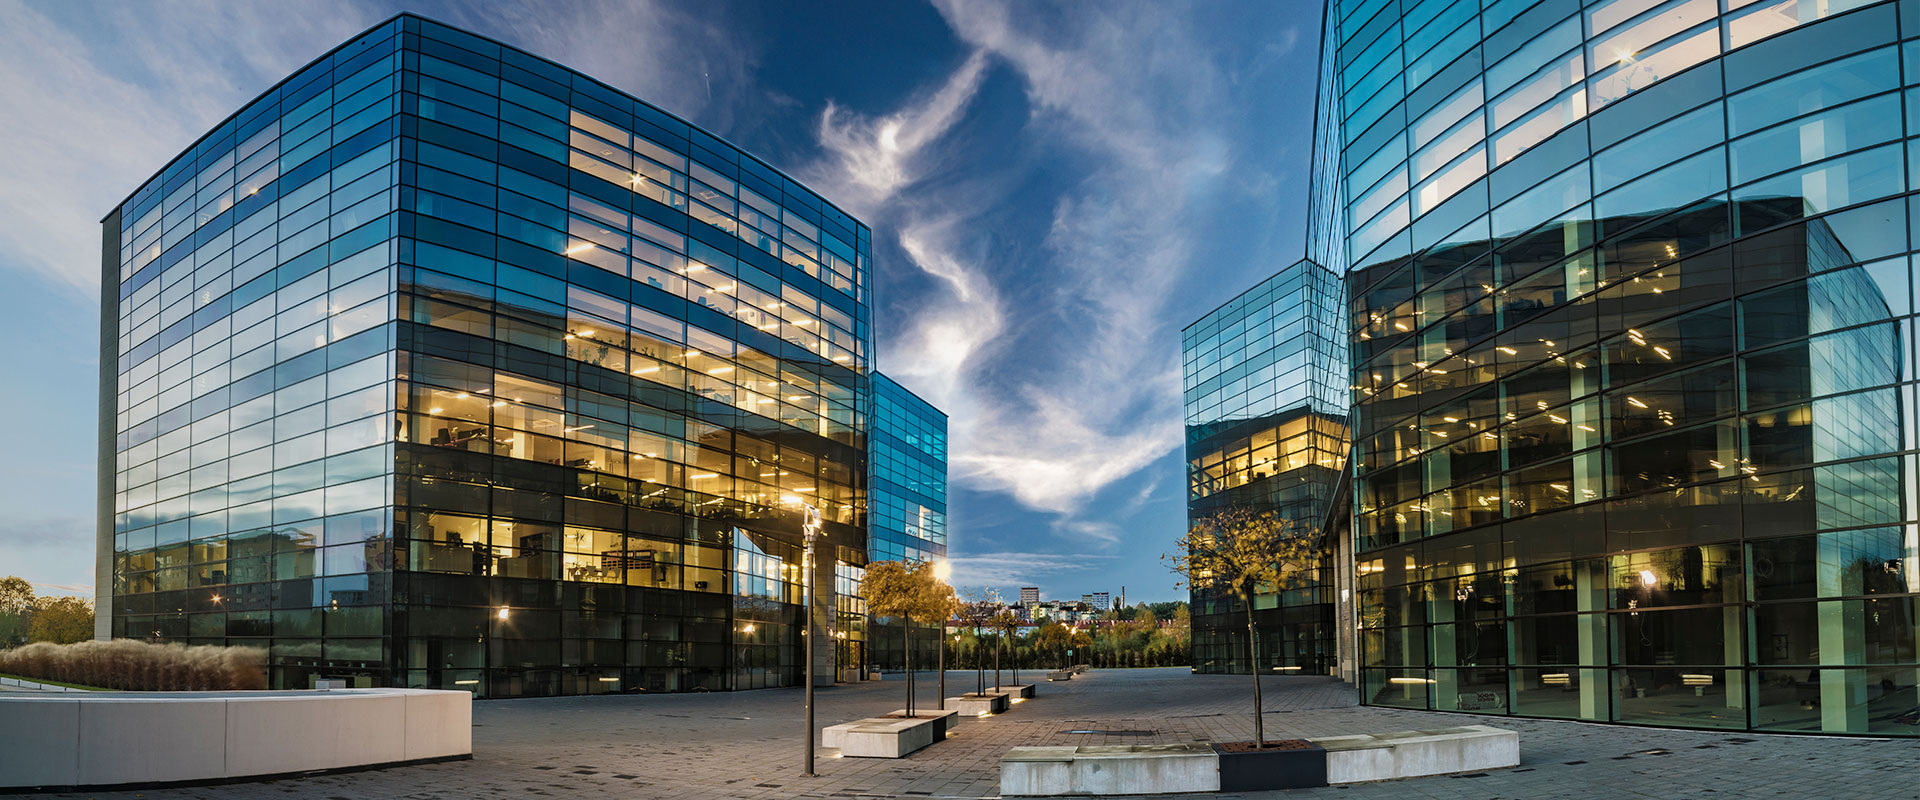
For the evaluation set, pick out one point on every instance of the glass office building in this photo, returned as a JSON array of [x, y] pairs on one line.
[[1631, 295], [908, 451], [1266, 430], [442, 365], [907, 504]]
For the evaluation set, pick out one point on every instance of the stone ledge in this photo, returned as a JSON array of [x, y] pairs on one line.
[[973, 705], [1109, 770], [1179, 768], [83, 740], [1023, 691], [1410, 754]]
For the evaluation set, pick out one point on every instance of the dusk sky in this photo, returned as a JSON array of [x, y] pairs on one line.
[[1054, 191]]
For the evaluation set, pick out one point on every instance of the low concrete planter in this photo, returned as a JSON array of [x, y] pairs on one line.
[[84, 740], [1181, 768], [974, 705], [1408, 754], [887, 737], [1023, 691], [1060, 675], [1107, 770], [1258, 770], [946, 718]]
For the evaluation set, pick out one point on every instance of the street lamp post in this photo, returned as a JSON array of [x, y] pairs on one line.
[[942, 570], [811, 528]]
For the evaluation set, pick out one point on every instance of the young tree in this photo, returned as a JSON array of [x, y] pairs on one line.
[[16, 608], [1004, 622], [910, 592], [1055, 637], [61, 620], [1240, 551]]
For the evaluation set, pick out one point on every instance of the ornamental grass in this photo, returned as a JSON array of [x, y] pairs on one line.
[[135, 665]]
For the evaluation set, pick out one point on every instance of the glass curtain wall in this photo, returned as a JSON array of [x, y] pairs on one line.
[[442, 365], [1632, 346], [909, 506], [1265, 430]]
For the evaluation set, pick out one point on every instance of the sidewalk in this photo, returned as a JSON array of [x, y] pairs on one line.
[[747, 745]]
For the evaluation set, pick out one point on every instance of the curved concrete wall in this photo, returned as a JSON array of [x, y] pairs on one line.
[[101, 739]]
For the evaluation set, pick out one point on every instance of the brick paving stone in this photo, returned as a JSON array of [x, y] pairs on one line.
[[746, 745]]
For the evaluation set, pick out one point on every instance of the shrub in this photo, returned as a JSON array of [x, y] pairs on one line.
[[140, 666]]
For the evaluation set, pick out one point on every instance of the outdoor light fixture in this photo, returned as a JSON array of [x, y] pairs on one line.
[[810, 525], [502, 613]]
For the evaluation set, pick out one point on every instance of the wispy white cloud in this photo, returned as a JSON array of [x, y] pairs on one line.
[[91, 113], [1059, 372], [874, 157]]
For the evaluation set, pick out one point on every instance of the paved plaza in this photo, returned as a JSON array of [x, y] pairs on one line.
[[745, 745]]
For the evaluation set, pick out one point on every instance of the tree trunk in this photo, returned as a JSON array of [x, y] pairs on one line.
[[996, 661], [1253, 666], [909, 642], [980, 668]]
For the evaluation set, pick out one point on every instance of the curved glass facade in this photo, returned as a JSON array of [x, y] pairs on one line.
[[1632, 358], [442, 365]]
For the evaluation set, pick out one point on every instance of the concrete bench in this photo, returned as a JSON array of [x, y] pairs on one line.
[[978, 705], [887, 737], [1106, 770], [946, 717], [1060, 675], [1022, 691], [1408, 754]]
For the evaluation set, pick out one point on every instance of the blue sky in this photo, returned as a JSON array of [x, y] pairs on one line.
[[1055, 190]]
